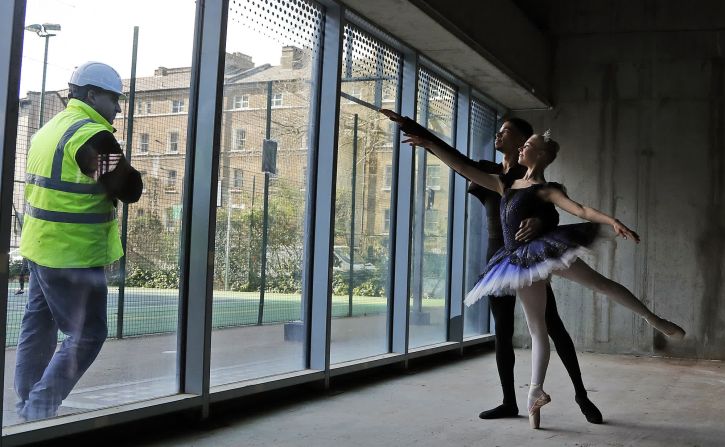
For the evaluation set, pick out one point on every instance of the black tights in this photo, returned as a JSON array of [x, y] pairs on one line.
[[502, 308]]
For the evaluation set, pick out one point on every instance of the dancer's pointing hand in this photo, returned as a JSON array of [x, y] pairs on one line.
[[621, 230]]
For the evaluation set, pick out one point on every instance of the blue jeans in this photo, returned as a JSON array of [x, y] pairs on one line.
[[74, 301]]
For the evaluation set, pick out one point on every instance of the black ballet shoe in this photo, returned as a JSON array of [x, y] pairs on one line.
[[502, 411], [590, 411]]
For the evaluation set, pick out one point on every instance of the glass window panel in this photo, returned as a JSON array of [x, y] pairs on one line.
[[363, 199], [429, 247], [272, 49], [481, 134], [139, 359]]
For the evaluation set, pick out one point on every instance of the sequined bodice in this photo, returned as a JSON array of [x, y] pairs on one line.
[[520, 204]]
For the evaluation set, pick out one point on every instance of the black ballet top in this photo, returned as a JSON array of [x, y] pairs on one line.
[[523, 203]]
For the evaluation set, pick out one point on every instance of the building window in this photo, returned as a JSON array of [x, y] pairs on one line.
[[355, 92], [143, 108], [177, 106], [277, 100], [143, 180], [386, 220], [171, 180], [143, 143], [388, 177], [431, 221], [433, 177], [240, 139], [140, 212], [240, 102], [238, 178], [173, 147]]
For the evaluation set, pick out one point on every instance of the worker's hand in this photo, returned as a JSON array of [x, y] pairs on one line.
[[106, 163], [529, 229]]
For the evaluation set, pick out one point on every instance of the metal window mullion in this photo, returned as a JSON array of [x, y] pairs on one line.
[[458, 224], [202, 171], [402, 213], [324, 202], [12, 20]]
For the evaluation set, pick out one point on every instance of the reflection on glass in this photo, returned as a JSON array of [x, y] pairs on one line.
[[265, 147], [138, 362], [481, 131], [429, 251], [360, 270]]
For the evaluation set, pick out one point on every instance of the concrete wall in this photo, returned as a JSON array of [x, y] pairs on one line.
[[639, 94]]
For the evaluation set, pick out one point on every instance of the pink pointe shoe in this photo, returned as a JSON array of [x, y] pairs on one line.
[[535, 407], [668, 328]]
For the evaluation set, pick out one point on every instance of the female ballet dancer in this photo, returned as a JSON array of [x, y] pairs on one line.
[[524, 267]]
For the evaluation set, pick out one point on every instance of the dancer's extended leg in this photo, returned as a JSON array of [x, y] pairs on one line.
[[581, 273]]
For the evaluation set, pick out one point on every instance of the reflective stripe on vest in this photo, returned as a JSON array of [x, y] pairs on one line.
[[55, 182], [63, 217], [60, 185]]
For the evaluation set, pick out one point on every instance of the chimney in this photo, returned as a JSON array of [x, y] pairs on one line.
[[239, 61], [292, 57]]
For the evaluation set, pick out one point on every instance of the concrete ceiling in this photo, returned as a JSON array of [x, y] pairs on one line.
[[503, 55]]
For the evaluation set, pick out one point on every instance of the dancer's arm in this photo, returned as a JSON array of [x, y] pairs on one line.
[[559, 198], [418, 136]]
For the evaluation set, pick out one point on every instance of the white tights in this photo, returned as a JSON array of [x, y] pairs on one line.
[[533, 300]]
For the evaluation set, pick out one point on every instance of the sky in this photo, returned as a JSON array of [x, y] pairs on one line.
[[102, 30]]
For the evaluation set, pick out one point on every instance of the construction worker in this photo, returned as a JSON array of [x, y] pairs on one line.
[[75, 174]]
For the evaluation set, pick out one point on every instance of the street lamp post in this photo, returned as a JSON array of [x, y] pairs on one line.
[[43, 31]]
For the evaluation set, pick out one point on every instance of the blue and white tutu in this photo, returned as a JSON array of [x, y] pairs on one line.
[[512, 268]]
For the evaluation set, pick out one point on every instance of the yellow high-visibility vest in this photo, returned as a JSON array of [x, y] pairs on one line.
[[69, 220]]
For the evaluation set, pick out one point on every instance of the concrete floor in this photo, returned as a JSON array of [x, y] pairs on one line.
[[645, 402]]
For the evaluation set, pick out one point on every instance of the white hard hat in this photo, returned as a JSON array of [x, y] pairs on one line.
[[98, 75]]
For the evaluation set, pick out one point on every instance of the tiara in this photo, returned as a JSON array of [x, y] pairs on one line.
[[547, 135]]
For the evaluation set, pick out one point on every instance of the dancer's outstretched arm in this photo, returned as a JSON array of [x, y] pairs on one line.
[[559, 198], [417, 135]]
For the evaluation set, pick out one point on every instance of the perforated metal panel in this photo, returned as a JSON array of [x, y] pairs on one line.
[[436, 104], [370, 69], [289, 22], [482, 130]]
